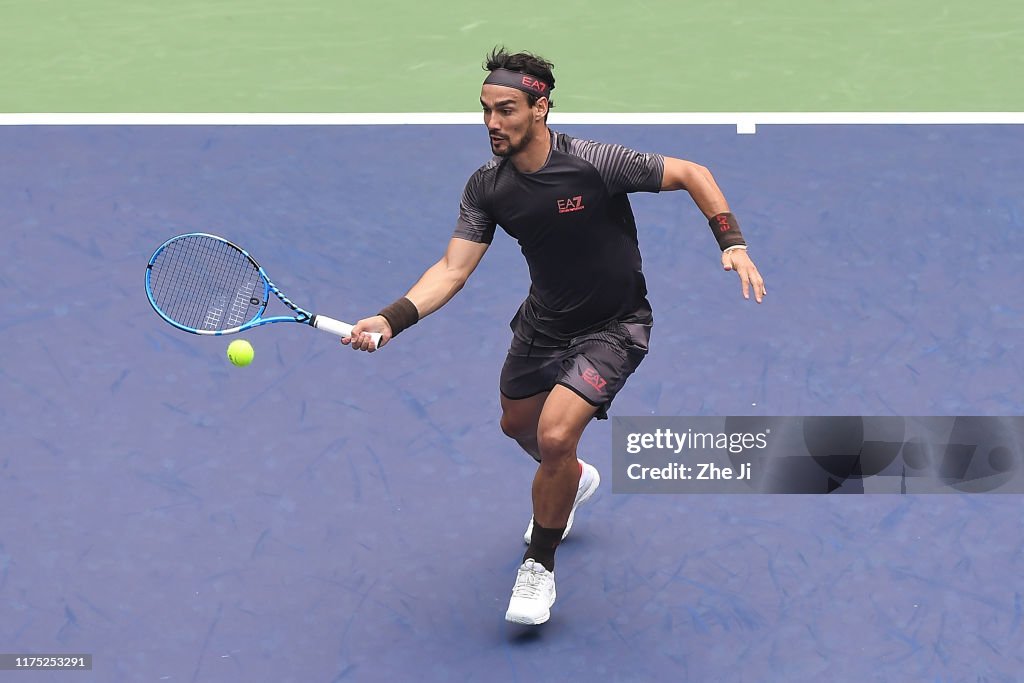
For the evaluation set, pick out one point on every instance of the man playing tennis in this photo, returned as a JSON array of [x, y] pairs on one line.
[[585, 325]]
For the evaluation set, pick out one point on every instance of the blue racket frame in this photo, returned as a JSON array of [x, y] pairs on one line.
[[301, 315]]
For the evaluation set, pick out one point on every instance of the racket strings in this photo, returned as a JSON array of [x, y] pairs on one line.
[[206, 284]]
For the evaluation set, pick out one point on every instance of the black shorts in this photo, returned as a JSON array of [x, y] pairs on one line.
[[594, 365]]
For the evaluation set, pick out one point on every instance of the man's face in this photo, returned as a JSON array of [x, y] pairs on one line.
[[510, 120]]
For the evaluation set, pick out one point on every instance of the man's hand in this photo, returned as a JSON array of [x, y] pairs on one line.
[[360, 339], [737, 260]]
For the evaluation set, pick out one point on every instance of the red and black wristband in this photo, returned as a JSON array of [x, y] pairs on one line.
[[726, 230], [400, 315]]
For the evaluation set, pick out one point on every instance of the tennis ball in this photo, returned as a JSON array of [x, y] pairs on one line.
[[240, 352]]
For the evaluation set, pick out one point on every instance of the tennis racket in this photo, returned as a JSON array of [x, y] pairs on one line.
[[205, 284]]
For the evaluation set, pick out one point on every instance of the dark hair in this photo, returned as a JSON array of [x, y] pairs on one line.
[[524, 63]]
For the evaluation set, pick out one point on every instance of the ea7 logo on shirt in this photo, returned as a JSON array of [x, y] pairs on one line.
[[571, 204]]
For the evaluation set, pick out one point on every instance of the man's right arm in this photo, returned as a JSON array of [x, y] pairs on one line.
[[434, 289], [445, 278]]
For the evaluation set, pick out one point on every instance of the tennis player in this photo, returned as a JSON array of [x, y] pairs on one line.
[[585, 325]]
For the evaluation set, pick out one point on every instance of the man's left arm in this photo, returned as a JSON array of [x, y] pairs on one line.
[[680, 174]]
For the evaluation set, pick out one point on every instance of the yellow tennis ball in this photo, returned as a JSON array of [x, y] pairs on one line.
[[240, 352]]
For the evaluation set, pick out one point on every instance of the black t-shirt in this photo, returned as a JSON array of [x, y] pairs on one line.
[[575, 226]]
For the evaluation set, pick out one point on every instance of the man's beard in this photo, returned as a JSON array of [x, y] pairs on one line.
[[514, 149]]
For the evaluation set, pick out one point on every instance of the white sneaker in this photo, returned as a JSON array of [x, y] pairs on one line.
[[532, 596], [589, 481]]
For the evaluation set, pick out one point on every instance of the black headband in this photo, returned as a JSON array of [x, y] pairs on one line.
[[528, 83]]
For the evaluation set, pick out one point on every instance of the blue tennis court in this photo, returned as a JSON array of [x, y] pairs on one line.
[[184, 520]]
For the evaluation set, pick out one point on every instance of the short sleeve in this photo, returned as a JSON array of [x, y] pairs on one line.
[[622, 169], [474, 223]]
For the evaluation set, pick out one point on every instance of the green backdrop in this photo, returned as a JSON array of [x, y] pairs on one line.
[[610, 55]]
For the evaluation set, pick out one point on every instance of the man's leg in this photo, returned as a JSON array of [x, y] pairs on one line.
[[519, 420], [595, 366], [548, 426], [597, 370], [563, 417]]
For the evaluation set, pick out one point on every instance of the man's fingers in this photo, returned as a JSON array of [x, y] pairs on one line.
[[750, 278], [361, 337], [363, 342], [756, 284]]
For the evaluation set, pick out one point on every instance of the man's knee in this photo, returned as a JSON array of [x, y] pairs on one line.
[[557, 442]]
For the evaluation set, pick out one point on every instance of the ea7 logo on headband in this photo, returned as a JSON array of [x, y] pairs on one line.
[[534, 84]]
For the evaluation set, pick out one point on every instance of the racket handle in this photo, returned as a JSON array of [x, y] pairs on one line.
[[339, 329]]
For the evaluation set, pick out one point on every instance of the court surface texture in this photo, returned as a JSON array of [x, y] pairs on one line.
[[330, 516]]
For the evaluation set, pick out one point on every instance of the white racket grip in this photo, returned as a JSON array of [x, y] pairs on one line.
[[340, 329]]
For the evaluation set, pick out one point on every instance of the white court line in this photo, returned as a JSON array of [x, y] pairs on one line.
[[745, 122]]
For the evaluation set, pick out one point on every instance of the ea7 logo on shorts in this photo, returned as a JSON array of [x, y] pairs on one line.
[[595, 380], [571, 204]]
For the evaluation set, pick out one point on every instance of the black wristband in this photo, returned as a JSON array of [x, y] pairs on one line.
[[727, 231], [400, 315]]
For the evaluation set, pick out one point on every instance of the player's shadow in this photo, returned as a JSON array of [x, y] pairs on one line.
[[524, 636]]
